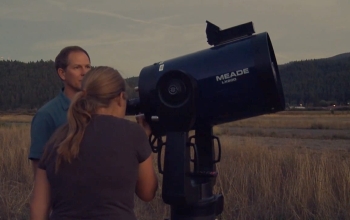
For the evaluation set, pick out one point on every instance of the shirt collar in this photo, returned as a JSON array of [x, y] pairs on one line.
[[65, 102]]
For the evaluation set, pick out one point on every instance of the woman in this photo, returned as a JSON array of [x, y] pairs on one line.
[[94, 164]]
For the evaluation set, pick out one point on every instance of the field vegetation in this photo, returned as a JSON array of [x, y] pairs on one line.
[[285, 179]]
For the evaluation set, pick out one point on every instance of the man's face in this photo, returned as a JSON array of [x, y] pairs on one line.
[[78, 66]]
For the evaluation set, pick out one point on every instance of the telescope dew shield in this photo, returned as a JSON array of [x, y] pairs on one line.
[[234, 80]]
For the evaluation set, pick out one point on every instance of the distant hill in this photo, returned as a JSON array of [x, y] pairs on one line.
[[340, 56], [316, 82]]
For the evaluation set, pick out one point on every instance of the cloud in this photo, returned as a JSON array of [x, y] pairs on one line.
[[120, 16], [164, 38], [128, 51], [31, 11], [101, 40], [60, 5]]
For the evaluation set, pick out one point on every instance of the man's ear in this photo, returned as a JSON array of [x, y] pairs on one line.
[[61, 73]]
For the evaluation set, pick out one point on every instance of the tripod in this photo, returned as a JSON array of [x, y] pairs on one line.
[[190, 193]]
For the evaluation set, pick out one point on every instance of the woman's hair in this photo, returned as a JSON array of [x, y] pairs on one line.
[[99, 86]]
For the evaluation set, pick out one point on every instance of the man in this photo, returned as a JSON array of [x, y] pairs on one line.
[[71, 64]]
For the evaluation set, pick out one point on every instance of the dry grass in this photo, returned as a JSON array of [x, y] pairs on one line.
[[16, 118], [306, 120], [15, 172], [257, 181], [286, 119], [9, 118]]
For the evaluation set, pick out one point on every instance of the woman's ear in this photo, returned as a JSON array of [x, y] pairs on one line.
[[119, 99], [123, 95]]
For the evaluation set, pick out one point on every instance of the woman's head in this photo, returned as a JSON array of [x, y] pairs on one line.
[[102, 92]]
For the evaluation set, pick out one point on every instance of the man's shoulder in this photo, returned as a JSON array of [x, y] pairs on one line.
[[50, 105], [49, 111]]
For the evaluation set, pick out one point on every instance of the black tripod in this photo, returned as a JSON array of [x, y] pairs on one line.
[[190, 193]]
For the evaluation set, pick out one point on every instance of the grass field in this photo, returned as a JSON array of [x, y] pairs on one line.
[[291, 165]]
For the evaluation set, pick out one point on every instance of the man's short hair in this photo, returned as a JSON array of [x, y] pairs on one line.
[[61, 60]]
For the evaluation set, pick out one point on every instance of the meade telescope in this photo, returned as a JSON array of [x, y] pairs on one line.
[[236, 78]]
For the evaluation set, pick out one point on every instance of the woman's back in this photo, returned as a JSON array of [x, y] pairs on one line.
[[100, 183]]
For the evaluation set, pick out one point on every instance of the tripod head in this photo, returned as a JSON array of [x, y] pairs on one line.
[[237, 78]]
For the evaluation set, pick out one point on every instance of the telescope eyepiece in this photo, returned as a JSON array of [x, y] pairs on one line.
[[133, 106]]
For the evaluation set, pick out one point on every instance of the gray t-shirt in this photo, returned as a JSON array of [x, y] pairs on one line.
[[100, 183]]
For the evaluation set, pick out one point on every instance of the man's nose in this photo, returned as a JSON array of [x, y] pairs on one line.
[[84, 71]]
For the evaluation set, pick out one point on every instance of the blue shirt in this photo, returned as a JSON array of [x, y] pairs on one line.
[[47, 119]]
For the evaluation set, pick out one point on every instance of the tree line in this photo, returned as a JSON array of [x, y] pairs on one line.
[[27, 86], [320, 82]]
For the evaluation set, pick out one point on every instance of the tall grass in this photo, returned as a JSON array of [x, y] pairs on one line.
[[260, 182], [15, 172], [339, 121], [257, 181]]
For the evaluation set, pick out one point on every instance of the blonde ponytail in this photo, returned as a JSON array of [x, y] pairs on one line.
[[78, 118]]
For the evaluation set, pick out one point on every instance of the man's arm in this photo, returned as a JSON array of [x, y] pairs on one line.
[[42, 127]]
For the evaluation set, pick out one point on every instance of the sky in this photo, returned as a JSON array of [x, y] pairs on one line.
[[131, 34]]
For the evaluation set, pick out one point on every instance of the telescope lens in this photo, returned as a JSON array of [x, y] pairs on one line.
[[173, 90]]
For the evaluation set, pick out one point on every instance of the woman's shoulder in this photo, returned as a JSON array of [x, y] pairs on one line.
[[122, 123]]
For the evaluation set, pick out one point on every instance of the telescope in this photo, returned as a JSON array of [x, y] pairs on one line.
[[236, 78]]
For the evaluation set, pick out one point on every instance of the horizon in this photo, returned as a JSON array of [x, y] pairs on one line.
[[335, 55]]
